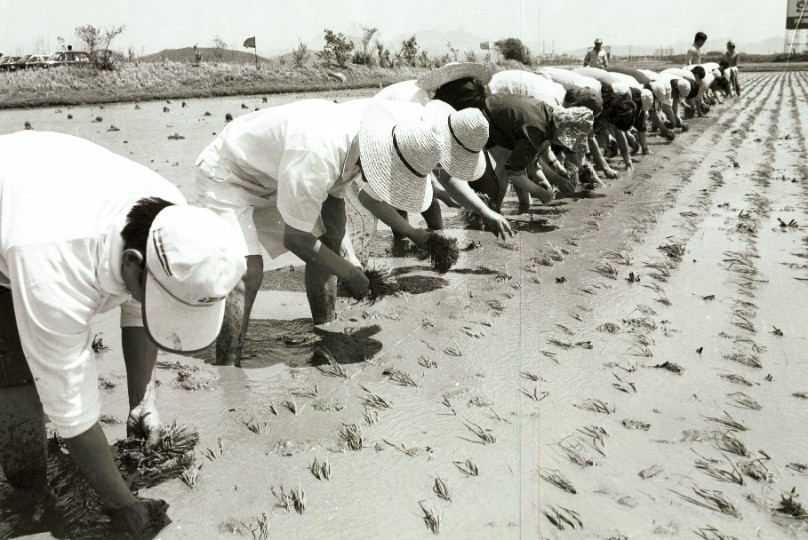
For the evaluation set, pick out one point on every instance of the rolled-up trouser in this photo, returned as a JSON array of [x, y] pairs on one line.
[[14, 370]]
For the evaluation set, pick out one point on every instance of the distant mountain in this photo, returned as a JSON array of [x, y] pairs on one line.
[[768, 46], [209, 54]]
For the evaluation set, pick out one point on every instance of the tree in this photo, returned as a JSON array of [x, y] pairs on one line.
[[409, 50], [300, 54], [513, 49], [383, 54], [98, 42], [219, 47], [423, 60], [337, 47], [471, 56]]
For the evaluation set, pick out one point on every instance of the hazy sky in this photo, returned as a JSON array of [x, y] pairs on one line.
[[152, 25]]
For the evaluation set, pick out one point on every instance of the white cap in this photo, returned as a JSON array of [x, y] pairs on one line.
[[194, 259]]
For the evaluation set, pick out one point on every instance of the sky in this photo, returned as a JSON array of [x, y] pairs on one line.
[[153, 25]]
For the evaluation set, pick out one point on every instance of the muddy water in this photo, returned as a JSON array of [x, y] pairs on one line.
[[464, 349]]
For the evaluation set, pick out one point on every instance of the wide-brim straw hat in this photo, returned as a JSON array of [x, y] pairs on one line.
[[465, 134], [454, 71], [397, 158]]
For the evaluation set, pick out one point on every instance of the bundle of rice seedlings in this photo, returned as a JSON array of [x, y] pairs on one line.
[[443, 252], [172, 456], [472, 220], [555, 477], [381, 282], [790, 506]]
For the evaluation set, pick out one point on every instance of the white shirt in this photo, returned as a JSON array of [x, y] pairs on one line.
[[291, 154], [525, 83], [63, 204], [569, 79], [405, 91], [596, 59], [660, 86]]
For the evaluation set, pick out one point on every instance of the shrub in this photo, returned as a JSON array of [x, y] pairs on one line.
[[300, 54], [337, 48], [513, 49], [409, 51]]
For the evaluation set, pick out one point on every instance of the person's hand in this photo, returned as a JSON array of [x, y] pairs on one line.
[[629, 168], [143, 421], [497, 224], [420, 237], [611, 174], [140, 519], [357, 283]]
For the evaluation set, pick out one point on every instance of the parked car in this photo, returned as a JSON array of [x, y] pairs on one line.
[[36, 61], [19, 63], [6, 61], [68, 58]]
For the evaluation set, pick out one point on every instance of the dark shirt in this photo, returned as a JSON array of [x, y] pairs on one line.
[[521, 124]]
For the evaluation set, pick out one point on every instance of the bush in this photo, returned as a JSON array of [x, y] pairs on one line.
[[337, 48], [409, 51], [300, 54], [471, 56], [362, 58], [513, 49], [97, 42]]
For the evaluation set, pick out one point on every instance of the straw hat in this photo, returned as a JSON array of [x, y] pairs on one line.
[[452, 72], [397, 158], [465, 134]]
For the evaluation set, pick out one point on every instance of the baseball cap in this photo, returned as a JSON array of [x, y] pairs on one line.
[[194, 259]]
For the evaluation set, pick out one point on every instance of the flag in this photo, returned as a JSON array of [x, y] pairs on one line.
[[250, 42], [484, 45]]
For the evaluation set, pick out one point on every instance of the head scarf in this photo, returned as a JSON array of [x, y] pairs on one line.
[[572, 126]]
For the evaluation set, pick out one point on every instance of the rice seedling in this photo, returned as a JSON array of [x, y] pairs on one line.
[[641, 350], [563, 517], [351, 434], [777, 332], [618, 257], [254, 425], [739, 399], [798, 467], [606, 269], [595, 405], [710, 467], [624, 386], [630, 423], [551, 355], [534, 395], [290, 404], [575, 453], [654, 287], [736, 379], [370, 416], [565, 329], [555, 477], [609, 327], [531, 376], [408, 451], [664, 300], [427, 362], [454, 351], [727, 421], [298, 500], [333, 369], [801, 395], [750, 360], [191, 474], [375, 400], [674, 250], [595, 435], [727, 442], [743, 322], [441, 489], [216, 452], [380, 282], [468, 467], [712, 500], [661, 270], [401, 377], [308, 392], [672, 367], [284, 500], [790, 507], [566, 345], [711, 533], [486, 436], [272, 409], [432, 518], [320, 469], [443, 252], [98, 344], [541, 396]]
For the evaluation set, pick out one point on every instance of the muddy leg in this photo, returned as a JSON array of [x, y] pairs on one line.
[[237, 311], [321, 287], [23, 438]]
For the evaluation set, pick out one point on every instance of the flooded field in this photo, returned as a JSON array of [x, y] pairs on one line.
[[630, 365]]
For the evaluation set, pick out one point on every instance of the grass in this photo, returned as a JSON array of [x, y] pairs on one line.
[[555, 477], [468, 467], [595, 405], [712, 500], [563, 517], [486, 436], [441, 489], [375, 400], [321, 469], [400, 377], [176, 80], [333, 369], [351, 434], [727, 442], [727, 421], [432, 518]]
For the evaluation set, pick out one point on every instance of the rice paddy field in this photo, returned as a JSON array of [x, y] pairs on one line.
[[630, 365]]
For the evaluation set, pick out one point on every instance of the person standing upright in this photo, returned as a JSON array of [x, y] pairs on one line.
[[596, 56], [730, 61], [694, 52]]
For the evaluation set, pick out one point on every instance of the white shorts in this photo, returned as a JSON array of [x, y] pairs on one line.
[[257, 216]]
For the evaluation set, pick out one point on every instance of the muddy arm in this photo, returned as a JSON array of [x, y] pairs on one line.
[[390, 217], [311, 250]]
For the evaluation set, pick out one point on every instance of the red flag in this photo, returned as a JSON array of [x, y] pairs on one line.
[[250, 42]]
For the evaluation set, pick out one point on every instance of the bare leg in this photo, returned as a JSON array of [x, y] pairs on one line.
[[321, 286], [237, 311]]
